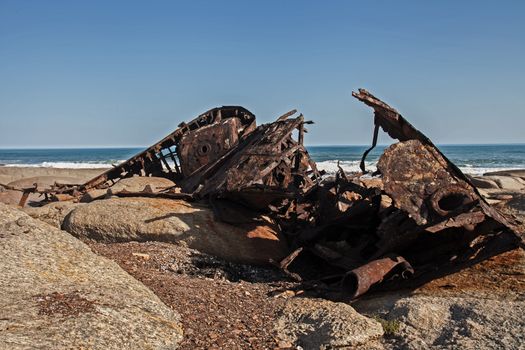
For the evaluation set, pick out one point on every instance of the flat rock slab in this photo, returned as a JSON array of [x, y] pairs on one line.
[[509, 183], [516, 173], [322, 324], [55, 293], [175, 221]]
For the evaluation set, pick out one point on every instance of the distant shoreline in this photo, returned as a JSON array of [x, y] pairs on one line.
[[471, 159]]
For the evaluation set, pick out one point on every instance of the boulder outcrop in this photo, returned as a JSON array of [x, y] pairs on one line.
[[56, 293], [176, 221], [322, 324]]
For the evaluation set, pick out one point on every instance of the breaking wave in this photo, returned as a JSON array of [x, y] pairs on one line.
[[349, 166], [65, 165], [330, 166]]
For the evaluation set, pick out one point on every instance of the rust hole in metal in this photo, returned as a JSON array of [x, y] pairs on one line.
[[453, 201]]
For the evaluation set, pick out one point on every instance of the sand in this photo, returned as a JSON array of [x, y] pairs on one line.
[[9, 174]]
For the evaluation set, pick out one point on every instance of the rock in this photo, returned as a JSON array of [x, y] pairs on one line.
[[137, 184], [483, 182], [56, 293], [52, 213], [517, 203], [371, 182], [515, 173], [437, 322], [93, 194], [176, 221], [44, 182], [503, 196], [478, 307], [322, 324], [493, 201], [508, 183], [13, 197], [141, 255]]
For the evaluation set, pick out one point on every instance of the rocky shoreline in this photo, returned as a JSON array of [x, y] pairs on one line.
[[180, 282]]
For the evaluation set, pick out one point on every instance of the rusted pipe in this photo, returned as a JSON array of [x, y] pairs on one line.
[[451, 198], [359, 280]]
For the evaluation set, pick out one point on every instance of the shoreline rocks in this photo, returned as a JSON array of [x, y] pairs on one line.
[[56, 293]]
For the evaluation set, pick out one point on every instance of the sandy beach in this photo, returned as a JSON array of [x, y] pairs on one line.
[[9, 174]]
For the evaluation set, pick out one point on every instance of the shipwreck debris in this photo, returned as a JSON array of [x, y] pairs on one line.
[[416, 218], [359, 280]]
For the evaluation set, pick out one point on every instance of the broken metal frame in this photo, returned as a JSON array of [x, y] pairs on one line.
[[399, 128], [156, 159]]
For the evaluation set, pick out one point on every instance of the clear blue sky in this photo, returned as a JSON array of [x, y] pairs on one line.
[[125, 73]]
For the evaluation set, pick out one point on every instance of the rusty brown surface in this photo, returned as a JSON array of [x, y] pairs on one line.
[[267, 164], [359, 280], [156, 160]]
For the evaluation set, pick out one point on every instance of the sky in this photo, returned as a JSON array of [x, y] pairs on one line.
[[126, 73]]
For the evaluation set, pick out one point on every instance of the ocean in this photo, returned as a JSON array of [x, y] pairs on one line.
[[471, 159]]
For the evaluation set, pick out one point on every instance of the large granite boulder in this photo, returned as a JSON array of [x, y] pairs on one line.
[[322, 324], [57, 294], [176, 221]]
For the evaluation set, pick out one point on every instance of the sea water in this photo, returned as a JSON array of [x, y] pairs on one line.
[[472, 159]]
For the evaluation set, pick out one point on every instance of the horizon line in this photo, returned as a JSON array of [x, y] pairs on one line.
[[307, 145]]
